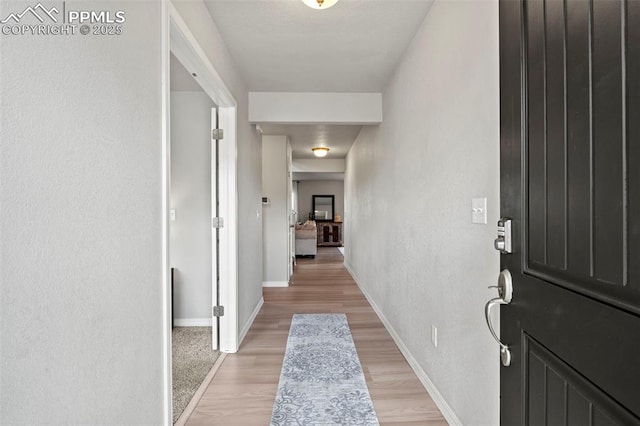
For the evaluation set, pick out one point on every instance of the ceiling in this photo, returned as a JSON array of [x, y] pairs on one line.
[[285, 46], [338, 138]]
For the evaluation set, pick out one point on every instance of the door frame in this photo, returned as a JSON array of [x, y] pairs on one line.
[[179, 40]]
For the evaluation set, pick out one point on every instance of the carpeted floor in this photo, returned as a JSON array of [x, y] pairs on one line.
[[192, 361]]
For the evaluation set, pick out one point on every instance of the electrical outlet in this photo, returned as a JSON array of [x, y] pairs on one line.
[[434, 335]]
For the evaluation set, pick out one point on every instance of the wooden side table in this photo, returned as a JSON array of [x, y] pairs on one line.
[[329, 234]]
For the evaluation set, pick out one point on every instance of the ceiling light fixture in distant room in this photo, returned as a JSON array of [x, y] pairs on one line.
[[320, 151], [320, 4]]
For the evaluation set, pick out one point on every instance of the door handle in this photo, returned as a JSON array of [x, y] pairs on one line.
[[505, 293]]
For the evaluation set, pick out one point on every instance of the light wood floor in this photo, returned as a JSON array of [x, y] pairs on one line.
[[244, 388]]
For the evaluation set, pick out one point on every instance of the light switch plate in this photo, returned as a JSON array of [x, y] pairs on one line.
[[172, 215], [479, 211]]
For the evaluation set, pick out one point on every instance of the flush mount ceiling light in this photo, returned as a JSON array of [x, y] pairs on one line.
[[320, 4], [320, 151]]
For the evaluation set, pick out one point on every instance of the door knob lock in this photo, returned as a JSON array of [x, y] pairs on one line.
[[505, 293], [504, 241]]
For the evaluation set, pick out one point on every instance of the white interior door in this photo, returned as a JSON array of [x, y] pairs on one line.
[[215, 236], [228, 235]]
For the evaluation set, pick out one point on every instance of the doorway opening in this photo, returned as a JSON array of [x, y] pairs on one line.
[[192, 245], [200, 244]]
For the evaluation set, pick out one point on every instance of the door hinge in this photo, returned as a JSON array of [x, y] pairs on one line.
[[218, 311], [217, 222], [217, 134]]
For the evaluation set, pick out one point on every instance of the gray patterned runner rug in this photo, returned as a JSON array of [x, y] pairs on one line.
[[321, 382]]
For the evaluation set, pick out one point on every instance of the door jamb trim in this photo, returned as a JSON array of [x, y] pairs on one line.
[[178, 39]]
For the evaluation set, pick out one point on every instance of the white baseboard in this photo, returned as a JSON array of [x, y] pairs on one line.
[[254, 314], [192, 322], [275, 284], [440, 402]]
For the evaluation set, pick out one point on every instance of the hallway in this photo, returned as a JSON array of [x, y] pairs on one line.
[[244, 388]]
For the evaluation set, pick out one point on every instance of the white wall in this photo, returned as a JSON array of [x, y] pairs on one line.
[[196, 15], [275, 161], [191, 232], [409, 185], [81, 307], [308, 188], [309, 108], [295, 205], [328, 165]]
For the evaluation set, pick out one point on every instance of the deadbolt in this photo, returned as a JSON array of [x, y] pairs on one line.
[[504, 241]]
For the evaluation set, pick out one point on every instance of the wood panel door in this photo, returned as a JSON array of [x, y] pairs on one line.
[[570, 181]]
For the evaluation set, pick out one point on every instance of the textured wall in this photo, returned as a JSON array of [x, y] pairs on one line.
[[191, 235], [308, 188], [409, 185], [81, 209], [197, 16]]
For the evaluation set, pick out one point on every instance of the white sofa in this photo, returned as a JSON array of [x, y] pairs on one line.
[[306, 239]]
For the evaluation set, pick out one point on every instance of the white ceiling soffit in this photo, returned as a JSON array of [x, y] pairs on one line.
[[317, 176], [338, 138], [283, 45], [312, 108], [180, 79], [319, 165]]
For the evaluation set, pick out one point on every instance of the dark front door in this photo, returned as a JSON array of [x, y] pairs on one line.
[[570, 181]]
